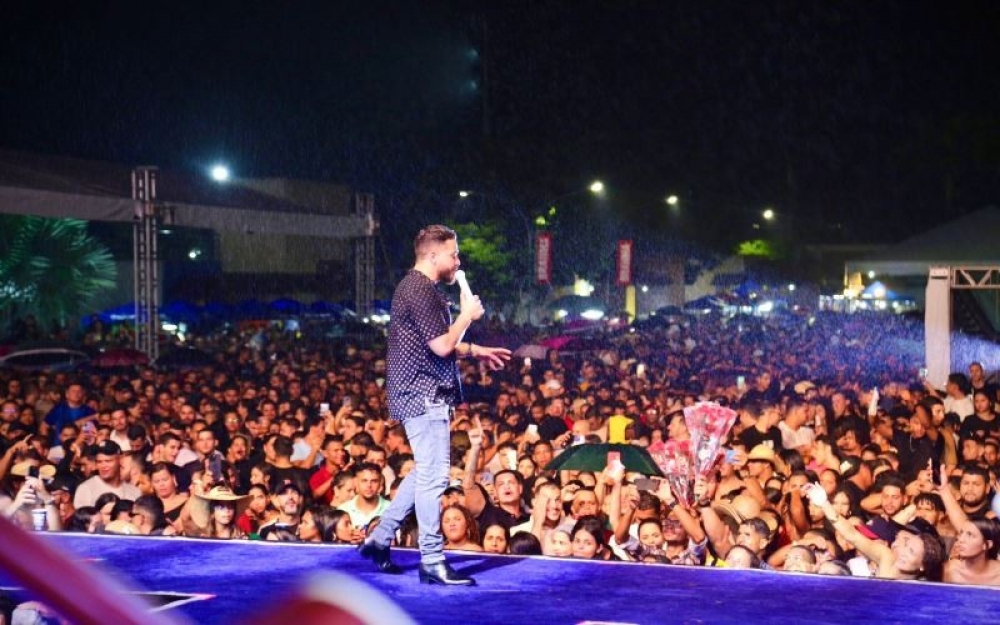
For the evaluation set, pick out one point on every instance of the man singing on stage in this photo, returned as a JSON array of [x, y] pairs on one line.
[[422, 383]]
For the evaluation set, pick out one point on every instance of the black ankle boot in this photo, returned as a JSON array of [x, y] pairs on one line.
[[442, 573], [379, 554]]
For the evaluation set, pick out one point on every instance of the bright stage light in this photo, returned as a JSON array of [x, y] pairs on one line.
[[220, 173]]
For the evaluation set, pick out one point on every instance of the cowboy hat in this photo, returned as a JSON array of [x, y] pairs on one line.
[[201, 505]]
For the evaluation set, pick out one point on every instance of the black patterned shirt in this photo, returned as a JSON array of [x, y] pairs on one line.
[[414, 373]]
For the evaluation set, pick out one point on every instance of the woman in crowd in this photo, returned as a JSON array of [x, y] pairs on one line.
[[526, 467], [496, 537], [527, 544], [85, 519], [916, 552], [558, 544], [588, 542], [974, 556], [262, 474], [310, 529], [651, 540], [340, 529], [344, 488], [164, 484], [459, 528], [105, 505], [257, 511], [220, 522]]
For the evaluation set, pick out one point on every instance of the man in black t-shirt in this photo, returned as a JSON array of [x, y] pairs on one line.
[[764, 429]]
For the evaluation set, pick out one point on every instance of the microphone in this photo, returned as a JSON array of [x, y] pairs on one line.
[[463, 283]]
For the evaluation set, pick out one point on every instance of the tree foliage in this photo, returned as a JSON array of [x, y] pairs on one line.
[[486, 259], [51, 268], [757, 248]]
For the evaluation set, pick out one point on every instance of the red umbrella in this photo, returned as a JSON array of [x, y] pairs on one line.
[[556, 342], [119, 357]]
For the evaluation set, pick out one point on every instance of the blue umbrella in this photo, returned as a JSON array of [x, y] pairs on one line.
[[287, 306], [218, 309], [180, 310], [252, 309]]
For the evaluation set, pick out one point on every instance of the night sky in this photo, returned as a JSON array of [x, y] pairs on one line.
[[857, 121]]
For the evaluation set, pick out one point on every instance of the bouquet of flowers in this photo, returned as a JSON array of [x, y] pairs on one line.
[[708, 423], [684, 461], [674, 459]]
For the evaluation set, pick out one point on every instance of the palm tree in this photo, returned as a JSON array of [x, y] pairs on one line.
[[50, 268]]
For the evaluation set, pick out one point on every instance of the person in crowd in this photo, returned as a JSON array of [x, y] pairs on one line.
[[288, 502], [368, 503], [496, 539], [983, 423], [558, 543], [164, 483], [322, 481], [258, 510], [916, 552], [461, 533], [956, 396], [872, 470], [147, 516], [108, 478], [73, 409], [311, 526], [588, 541], [341, 530]]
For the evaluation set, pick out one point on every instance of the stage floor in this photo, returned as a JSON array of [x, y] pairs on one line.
[[228, 582]]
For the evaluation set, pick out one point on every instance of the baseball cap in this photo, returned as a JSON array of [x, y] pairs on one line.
[[920, 526], [109, 448], [62, 482]]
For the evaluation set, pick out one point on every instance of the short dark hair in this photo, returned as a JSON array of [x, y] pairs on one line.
[[152, 507], [517, 476], [283, 446], [430, 235], [887, 479], [758, 526], [368, 466], [961, 381], [933, 499], [975, 469]]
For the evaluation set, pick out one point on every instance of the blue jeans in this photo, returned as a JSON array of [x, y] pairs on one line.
[[430, 439]]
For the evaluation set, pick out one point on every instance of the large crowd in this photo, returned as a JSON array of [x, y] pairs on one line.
[[842, 461]]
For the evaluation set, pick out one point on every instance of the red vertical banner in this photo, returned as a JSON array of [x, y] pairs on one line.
[[543, 258], [623, 266]]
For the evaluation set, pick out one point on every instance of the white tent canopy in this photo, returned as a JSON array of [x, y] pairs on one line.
[[970, 240]]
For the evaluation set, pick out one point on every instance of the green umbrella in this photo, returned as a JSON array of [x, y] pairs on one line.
[[595, 458]]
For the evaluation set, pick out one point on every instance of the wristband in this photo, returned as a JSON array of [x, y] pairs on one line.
[[471, 346]]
